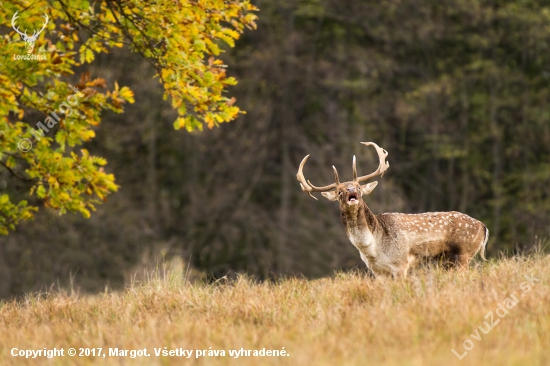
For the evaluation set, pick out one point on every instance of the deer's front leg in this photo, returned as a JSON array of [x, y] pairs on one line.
[[399, 268], [366, 260], [400, 272]]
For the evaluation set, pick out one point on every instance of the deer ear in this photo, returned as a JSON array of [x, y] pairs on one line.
[[367, 188], [331, 196]]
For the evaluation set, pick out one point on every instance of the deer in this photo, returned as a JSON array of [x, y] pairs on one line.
[[29, 39], [391, 243]]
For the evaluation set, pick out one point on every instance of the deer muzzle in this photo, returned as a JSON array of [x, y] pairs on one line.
[[352, 196]]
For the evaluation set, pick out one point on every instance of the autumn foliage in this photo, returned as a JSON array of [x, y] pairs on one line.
[[182, 40]]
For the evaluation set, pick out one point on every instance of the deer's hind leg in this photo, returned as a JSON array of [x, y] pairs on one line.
[[456, 257], [463, 261]]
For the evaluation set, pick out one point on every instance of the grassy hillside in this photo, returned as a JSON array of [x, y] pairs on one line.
[[346, 319]]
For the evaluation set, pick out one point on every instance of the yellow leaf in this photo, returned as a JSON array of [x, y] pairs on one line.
[[126, 94]]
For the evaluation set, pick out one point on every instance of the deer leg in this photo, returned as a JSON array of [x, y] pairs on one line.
[[463, 261], [400, 271], [400, 274], [369, 270], [406, 270], [458, 261]]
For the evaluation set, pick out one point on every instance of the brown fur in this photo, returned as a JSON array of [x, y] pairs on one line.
[[391, 242]]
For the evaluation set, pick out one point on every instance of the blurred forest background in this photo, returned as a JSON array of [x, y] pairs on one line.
[[457, 92]]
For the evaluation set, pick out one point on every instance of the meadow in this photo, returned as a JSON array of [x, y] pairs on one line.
[[345, 319]]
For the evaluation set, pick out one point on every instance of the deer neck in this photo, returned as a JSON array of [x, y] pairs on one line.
[[361, 227]]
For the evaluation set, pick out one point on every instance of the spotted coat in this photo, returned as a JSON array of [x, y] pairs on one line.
[[390, 243]]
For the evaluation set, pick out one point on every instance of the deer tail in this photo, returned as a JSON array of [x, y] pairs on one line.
[[483, 249]]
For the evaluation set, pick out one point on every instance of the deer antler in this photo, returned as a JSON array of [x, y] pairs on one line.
[[382, 167], [13, 19], [35, 34], [308, 187]]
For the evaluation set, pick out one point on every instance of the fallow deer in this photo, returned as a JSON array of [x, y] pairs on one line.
[[390, 243]]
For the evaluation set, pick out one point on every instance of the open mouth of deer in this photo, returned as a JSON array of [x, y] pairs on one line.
[[352, 198]]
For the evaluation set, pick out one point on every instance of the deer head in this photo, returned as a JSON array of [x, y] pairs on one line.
[[29, 39], [349, 194]]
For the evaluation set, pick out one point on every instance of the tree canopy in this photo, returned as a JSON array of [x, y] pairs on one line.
[[181, 39]]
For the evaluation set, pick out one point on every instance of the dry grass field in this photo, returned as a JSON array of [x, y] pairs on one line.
[[345, 319]]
